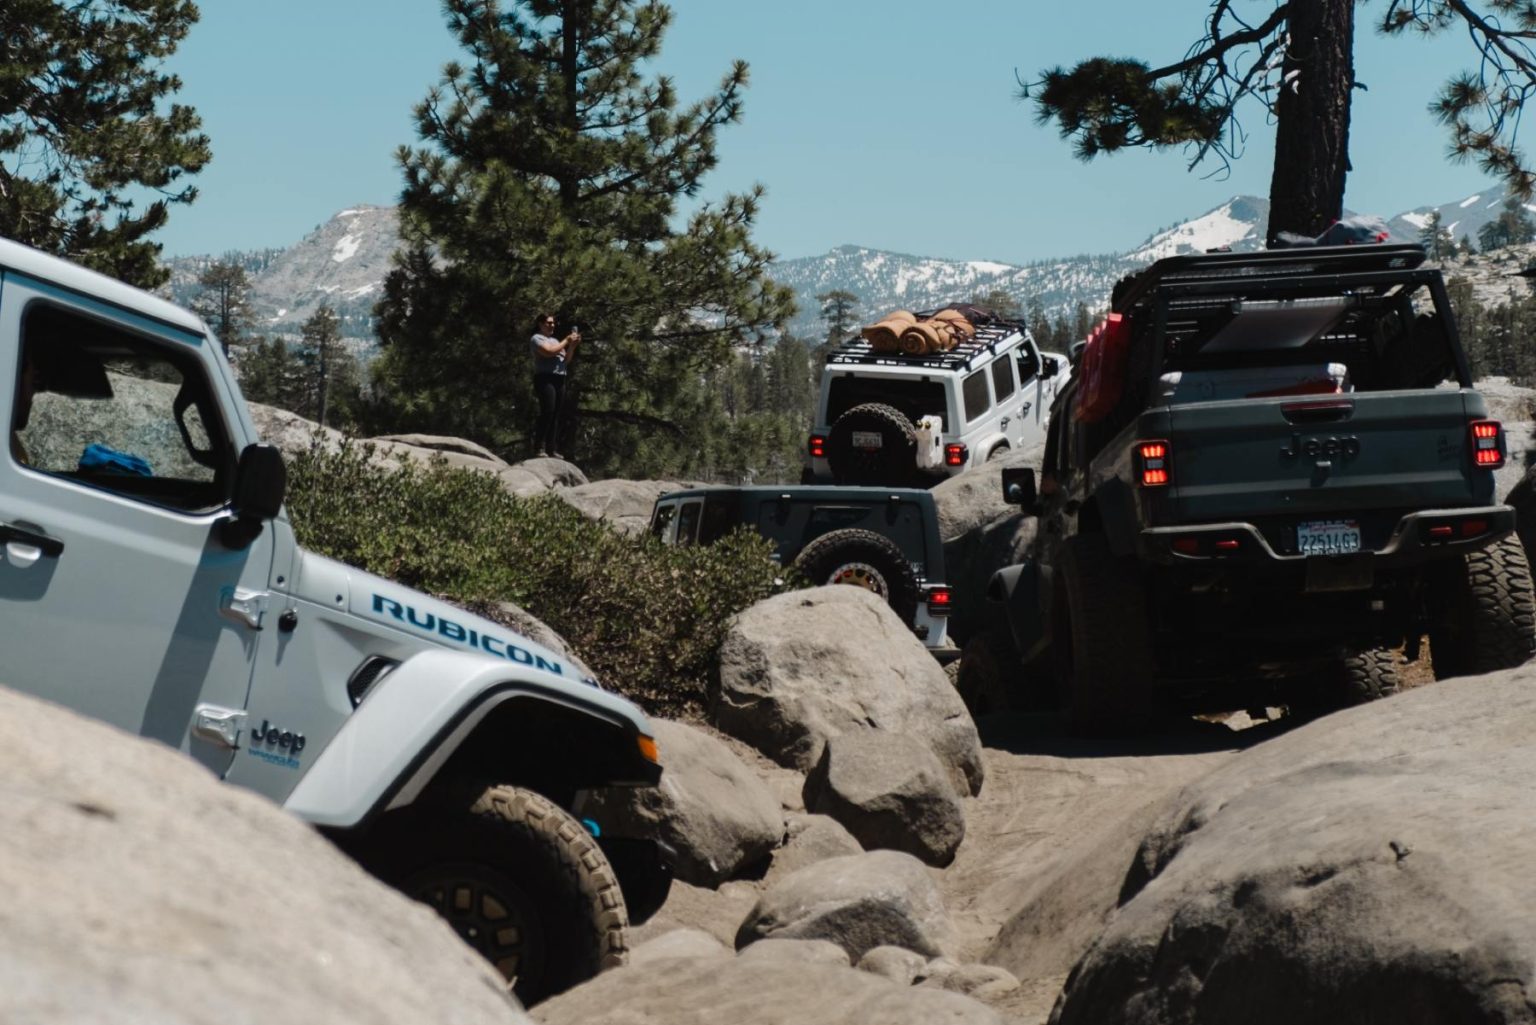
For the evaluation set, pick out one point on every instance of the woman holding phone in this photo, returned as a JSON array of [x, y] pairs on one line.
[[551, 367]]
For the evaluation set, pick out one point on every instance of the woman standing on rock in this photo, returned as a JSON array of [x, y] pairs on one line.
[[551, 357]]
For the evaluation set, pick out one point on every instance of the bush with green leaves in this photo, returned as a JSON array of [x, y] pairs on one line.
[[649, 619]]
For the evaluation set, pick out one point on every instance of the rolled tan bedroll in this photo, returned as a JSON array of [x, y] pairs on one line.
[[926, 336], [965, 327], [884, 334]]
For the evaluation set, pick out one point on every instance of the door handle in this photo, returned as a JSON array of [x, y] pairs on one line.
[[11, 534]]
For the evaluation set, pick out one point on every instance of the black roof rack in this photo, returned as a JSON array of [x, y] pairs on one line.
[[857, 352], [1298, 262]]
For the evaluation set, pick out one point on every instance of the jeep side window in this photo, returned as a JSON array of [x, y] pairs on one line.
[[1002, 378], [662, 519], [719, 518], [688, 522], [1028, 360], [977, 398], [120, 412]]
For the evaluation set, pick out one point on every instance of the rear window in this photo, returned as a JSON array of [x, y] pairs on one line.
[[977, 398], [1002, 378], [914, 397]]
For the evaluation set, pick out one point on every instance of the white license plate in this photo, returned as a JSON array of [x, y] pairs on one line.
[[867, 439], [1328, 537]]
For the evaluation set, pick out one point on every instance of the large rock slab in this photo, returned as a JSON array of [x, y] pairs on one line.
[[1373, 866], [756, 991], [710, 806], [891, 792], [139, 889], [626, 505], [456, 452], [801, 667], [859, 902]]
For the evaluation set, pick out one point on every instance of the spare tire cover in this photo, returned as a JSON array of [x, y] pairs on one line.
[[873, 444]]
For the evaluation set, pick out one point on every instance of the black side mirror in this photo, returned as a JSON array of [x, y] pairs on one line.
[[261, 481], [1019, 489], [1075, 354], [1049, 367]]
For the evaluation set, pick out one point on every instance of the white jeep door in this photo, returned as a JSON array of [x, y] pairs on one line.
[[117, 597], [1037, 396]]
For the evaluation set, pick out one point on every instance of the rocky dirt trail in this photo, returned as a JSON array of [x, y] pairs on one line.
[[1048, 843], [1052, 834]]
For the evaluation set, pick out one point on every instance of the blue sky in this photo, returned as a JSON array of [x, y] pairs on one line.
[[891, 124]]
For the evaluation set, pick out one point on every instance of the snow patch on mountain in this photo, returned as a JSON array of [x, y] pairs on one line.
[[1233, 224], [1470, 200], [1418, 220]]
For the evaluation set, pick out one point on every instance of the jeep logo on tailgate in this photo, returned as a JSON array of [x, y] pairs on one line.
[[1345, 446]]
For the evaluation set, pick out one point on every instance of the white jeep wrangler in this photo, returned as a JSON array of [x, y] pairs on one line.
[[887, 418], [149, 577]]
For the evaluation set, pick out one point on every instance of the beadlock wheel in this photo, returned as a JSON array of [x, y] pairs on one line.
[[490, 912], [861, 574]]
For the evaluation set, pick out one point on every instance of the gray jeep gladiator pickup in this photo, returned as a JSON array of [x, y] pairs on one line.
[[1269, 479]]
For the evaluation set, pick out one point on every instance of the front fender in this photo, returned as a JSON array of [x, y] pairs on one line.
[[418, 716]]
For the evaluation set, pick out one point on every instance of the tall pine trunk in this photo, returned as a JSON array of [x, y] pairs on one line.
[[1306, 193]]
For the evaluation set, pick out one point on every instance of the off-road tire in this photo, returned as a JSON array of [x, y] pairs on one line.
[[1102, 639], [992, 677], [1483, 612], [1366, 676], [866, 559], [981, 679], [893, 463], [486, 855]]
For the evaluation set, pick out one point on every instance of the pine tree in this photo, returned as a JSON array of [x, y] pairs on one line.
[[225, 302], [548, 179], [331, 366], [1295, 62], [1437, 242], [85, 131], [1513, 226], [840, 312], [999, 302]]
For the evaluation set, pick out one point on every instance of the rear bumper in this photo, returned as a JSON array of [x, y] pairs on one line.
[[1418, 538]]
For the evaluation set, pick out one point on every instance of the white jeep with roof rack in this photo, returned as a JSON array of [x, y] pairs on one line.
[[889, 418]]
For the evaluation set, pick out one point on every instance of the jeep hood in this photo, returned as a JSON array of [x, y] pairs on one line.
[[413, 616]]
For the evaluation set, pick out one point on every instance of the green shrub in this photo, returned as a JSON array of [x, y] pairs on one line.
[[647, 618]]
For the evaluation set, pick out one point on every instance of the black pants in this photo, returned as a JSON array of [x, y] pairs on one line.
[[551, 391]]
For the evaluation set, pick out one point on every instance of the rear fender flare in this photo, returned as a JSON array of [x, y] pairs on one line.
[[1017, 588], [417, 717]]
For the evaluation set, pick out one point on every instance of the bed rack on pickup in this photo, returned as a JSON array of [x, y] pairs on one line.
[[857, 351]]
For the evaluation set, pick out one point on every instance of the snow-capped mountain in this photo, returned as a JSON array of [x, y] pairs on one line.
[[343, 263]]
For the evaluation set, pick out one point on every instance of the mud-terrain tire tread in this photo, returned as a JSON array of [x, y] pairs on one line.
[[1105, 679], [1488, 619], [824, 555], [894, 464], [1366, 676], [580, 903]]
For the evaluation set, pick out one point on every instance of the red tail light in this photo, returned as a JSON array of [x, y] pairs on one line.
[[818, 447], [940, 601], [1153, 463], [955, 455], [1488, 447]]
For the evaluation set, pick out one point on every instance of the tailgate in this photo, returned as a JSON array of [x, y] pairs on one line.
[[1275, 462]]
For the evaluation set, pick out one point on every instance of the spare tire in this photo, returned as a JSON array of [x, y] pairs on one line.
[[864, 559], [873, 444]]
